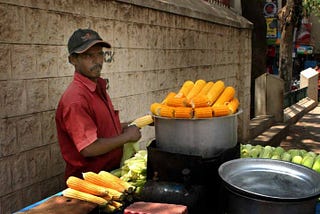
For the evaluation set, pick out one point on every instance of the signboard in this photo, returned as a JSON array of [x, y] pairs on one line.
[[270, 9], [304, 49], [272, 26]]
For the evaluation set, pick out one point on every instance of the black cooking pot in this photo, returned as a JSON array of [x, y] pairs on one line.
[[266, 186]]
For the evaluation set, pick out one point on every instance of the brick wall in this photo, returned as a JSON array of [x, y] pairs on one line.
[[155, 52]]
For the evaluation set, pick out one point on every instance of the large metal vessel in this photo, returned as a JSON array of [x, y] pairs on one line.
[[202, 137]]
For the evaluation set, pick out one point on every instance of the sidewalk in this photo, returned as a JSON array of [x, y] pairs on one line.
[[305, 133]]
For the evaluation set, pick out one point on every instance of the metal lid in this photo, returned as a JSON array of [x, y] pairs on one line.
[[270, 179]]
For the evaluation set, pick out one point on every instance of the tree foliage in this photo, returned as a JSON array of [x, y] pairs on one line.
[[311, 7]]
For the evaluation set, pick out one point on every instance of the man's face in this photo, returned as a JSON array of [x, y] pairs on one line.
[[90, 62]]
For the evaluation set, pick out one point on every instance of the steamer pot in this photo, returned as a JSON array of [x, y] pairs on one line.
[[267, 186], [207, 138]]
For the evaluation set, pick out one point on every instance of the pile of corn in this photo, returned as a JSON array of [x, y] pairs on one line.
[[199, 99], [103, 188], [299, 156]]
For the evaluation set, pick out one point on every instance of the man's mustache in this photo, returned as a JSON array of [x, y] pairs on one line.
[[95, 67]]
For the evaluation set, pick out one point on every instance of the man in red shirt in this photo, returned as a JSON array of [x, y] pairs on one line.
[[90, 134]]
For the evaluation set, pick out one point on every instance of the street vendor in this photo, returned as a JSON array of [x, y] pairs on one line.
[[90, 135]]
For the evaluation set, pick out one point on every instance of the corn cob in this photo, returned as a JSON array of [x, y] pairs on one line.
[[155, 108], [198, 85], [102, 181], [206, 88], [183, 112], [215, 91], [116, 204], [142, 121], [185, 89], [167, 111], [227, 95], [170, 95], [220, 110], [177, 101], [205, 112], [114, 194], [109, 209], [109, 176], [200, 101], [85, 186], [71, 193], [233, 105]]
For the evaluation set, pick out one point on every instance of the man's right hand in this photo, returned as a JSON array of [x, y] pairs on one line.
[[133, 133]]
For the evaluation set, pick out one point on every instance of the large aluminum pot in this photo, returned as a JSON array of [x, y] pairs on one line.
[[267, 186], [201, 137]]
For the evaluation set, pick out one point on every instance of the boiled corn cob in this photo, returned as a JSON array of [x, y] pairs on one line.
[[177, 101], [205, 112], [215, 91], [206, 88], [71, 193], [183, 112], [167, 111], [227, 95], [102, 181], [142, 121], [170, 95], [200, 101], [155, 108], [85, 186], [198, 85], [233, 105], [185, 89], [220, 110]]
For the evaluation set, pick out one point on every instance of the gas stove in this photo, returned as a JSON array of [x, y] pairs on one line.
[[186, 179]]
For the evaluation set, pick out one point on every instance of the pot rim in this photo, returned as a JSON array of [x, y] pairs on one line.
[[256, 161]]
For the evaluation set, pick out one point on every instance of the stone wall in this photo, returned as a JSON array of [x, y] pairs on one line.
[[157, 45]]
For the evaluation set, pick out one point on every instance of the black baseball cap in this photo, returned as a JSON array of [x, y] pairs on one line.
[[82, 39]]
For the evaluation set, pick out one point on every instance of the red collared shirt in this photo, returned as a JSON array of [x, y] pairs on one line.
[[84, 114]]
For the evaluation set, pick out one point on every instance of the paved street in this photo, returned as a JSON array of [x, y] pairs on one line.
[[305, 134]]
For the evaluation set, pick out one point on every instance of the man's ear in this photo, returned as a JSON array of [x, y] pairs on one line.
[[71, 60]]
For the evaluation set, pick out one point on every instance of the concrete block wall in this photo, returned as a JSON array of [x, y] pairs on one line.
[[157, 47]]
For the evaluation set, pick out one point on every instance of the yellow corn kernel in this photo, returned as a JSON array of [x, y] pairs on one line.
[[72, 193], [85, 186], [206, 88], [102, 181], [185, 89], [227, 95], [170, 95], [177, 102], [198, 85], [215, 91], [220, 110], [205, 112], [183, 112], [143, 121], [167, 111], [200, 101], [233, 105]]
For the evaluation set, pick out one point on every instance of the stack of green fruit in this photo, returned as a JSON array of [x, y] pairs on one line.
[[134, 170], [299, 156]]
